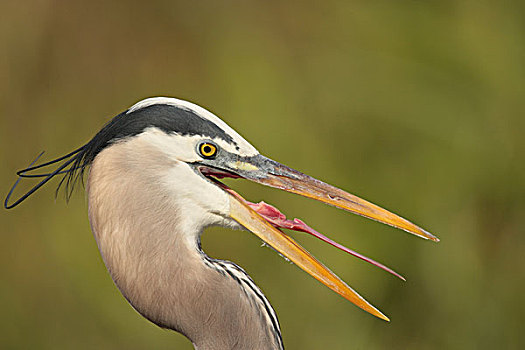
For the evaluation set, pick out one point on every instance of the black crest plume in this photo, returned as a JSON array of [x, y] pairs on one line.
[[72, 165]]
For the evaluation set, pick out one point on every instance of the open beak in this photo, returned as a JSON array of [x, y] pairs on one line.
[[270, 173]]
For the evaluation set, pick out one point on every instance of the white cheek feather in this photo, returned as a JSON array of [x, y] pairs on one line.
[[201, 203], [245, 148], [176, 147]]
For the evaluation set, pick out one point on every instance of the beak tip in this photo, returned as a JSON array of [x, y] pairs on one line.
[[374, 311], [383, 317], [431, 236]]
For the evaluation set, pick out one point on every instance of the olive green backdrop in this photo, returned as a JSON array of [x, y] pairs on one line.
[[415, 105]]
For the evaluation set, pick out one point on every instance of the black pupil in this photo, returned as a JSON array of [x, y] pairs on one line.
[[207, 149]]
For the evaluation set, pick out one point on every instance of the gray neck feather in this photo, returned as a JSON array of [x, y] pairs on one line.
[[159, 269]]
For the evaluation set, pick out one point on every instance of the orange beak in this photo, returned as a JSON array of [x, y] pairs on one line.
[[271, 173]]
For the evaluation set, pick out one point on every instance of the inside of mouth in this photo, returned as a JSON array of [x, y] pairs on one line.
[[273, 216]]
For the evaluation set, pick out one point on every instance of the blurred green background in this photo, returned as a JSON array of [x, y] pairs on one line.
[[414, 105]]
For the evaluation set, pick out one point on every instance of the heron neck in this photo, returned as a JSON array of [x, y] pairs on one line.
[[154, 259]]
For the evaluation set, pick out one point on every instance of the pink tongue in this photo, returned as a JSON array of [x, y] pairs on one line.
[[278, 219]]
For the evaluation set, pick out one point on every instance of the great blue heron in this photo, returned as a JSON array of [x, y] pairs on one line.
[[153, 188]]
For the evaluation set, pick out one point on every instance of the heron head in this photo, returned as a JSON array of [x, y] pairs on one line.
[[196, 150]]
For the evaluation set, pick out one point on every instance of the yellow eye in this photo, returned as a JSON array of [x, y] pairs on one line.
[[207, 150]]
